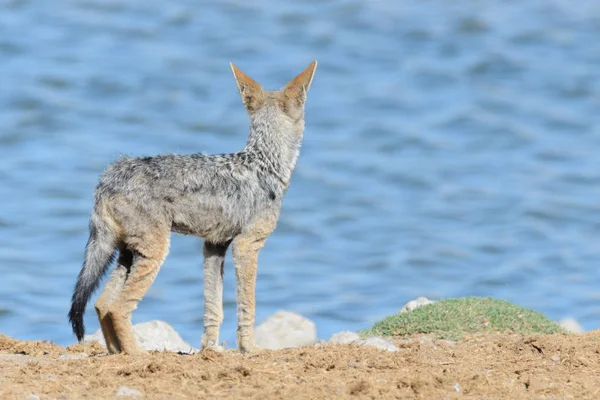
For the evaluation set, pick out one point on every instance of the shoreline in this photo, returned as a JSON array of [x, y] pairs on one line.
[[496, 365], [293, 363]]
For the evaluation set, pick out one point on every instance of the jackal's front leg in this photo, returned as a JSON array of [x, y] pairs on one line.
[[245, 255], [214, 258]]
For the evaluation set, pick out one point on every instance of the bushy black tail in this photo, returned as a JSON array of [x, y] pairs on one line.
[[99, 254]]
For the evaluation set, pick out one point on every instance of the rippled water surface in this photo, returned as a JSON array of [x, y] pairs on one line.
[[451, 149]]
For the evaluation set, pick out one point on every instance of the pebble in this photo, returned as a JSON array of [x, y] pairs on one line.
[[344, 337], [377, 342], [413, 304], [126, 391]]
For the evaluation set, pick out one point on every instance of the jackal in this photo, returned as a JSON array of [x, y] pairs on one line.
[[226, 198]]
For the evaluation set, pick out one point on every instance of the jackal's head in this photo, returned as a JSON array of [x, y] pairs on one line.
[[285, 105]]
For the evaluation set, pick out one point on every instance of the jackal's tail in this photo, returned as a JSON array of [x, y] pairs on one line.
[[99, 254]]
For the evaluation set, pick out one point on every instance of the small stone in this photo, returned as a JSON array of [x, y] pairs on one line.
[[377, 342], [126, 391], [285, 329], [571, 325], [456, 387], [32, 396], [413, 304], [344, 337], [72, 356], [537, 384]]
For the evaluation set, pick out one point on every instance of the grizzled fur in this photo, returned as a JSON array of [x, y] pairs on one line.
[[222, 198]]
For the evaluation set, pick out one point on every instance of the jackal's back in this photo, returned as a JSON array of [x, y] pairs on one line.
[[209, 196]]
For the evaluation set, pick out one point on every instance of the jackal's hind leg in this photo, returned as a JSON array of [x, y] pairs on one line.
[[109, 294], [148, 255], [214, 258]]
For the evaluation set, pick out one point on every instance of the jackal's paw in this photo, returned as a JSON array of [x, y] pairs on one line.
[[136, 351], [248, 348], [211, 345], [214, 347]]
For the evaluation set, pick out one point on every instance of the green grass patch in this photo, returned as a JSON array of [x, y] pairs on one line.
[[453, 318]]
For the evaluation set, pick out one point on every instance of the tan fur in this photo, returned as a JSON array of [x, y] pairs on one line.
[[245, 256], [250, 90], [124, 291], [300, 84], [109, 295]]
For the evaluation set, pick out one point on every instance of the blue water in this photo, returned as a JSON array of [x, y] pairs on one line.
[[452, 148]]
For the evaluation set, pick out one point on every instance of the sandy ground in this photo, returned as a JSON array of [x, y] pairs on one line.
[[485, 367]]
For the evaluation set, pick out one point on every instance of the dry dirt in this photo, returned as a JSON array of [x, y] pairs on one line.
[[485, 367]]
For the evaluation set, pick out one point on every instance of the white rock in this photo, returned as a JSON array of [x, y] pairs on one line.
[[126, 391], [32, 396], [378, 342], [571, 325], [344, 337], [419, 302], [72, 356], [152, 335], [285, 329]]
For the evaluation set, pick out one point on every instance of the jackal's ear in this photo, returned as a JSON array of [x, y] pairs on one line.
[[298, 86], [250, 90]]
